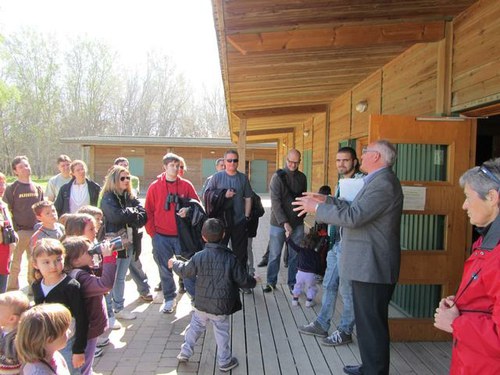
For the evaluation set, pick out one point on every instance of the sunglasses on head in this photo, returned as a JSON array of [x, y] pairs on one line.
[[123, 178], [490, 174], [232, 160]]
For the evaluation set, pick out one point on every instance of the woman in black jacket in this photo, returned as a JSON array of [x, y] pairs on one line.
[[79, 192], [123, 216]]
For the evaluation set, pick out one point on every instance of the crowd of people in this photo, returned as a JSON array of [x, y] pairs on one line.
[[82, 240]]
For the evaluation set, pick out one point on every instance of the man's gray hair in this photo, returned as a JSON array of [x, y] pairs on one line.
[[482, 179], [387, 151]]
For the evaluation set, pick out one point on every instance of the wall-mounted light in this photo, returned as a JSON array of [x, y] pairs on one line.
[[306, 133], [362, 106], [212, 152]]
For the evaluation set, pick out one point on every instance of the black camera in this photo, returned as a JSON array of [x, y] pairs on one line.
[[172, 198], [117, 242], [8, 234]]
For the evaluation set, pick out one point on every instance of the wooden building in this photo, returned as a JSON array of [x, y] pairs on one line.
[[423, 74], [145, 157]]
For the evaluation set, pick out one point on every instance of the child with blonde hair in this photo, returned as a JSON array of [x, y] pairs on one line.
[[42, 332], [12, 305], [53, 285], [79, 264]]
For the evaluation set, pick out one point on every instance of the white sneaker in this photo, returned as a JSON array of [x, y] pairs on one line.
[[168, 307], [102, 342], [295, 302], [310, 303], [125, 315], [158, 298], [114, 324]]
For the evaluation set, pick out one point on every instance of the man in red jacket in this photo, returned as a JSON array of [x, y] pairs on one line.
[[162, 204]]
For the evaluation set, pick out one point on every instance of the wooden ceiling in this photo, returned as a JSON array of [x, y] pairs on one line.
[[283, 61]]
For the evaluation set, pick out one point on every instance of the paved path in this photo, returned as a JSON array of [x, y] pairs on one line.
[[150, 344]]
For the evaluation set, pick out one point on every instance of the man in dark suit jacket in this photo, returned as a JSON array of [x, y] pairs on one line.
[[370, 249]]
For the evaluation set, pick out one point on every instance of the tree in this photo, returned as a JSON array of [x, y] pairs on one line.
[[90, 84], [31, 66]]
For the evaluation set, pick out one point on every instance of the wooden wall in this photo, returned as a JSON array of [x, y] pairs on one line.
[[103, 157], [318, 151], [476, 56], [409, 84]]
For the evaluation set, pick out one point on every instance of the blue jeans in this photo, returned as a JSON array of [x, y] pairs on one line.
[[198, 326], [67, 353], [332, 284], [276, 241], [139, 276], [3, 283], [164, 248], [118, 290]]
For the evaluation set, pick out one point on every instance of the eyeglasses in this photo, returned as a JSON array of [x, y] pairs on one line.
[[123, 178], [490, 174], [293, 162], [232, 160]]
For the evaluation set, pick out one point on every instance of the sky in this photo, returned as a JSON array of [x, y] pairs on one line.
[[181, 28]]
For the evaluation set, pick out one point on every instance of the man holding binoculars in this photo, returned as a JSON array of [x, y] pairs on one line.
[[162, 204]]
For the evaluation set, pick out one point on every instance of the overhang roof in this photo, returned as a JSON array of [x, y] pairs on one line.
[[103, 140], [283, 61]]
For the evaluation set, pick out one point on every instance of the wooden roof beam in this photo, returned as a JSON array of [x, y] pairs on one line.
[[281, 111], [339, 37]]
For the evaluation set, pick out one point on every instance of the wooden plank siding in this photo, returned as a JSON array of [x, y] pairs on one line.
[[371, 91], [103, 157], [476, 58], [318, 137]]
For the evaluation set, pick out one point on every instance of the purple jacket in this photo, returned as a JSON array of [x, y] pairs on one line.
[[94, 288]]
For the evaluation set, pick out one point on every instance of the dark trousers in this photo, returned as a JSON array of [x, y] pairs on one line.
[[371, 309], [239, 241]]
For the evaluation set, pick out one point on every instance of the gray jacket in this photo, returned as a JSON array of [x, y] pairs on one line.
[[371, 249]]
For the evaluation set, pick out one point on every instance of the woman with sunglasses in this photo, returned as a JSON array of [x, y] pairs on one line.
[[123, 216], [472, 315]]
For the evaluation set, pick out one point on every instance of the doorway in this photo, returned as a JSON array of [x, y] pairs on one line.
[[488, 139]]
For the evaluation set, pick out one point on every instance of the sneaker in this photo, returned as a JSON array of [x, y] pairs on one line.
[[102, 342], [246, 290], [158, 287], [181, 357], [114, 324], [98, 352], [262, 263], [295, 301], [232, 364], [337, 338], [310, 303], [147, 297], [290, 288], [269, 288], [168, 307], [125, 315], [313, 329], [158, 298]]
